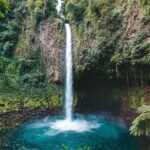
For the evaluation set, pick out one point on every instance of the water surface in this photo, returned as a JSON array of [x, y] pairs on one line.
[[40, 135]]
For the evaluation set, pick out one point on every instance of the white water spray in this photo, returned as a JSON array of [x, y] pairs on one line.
[[58, 7]]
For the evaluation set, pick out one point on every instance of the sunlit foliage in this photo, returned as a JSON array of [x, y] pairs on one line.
[[4, 8], [141, 124]]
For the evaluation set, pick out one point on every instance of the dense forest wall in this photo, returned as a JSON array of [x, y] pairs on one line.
[[30, 54], [111, 38]]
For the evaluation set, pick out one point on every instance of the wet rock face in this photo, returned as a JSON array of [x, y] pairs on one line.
[[52, 44]]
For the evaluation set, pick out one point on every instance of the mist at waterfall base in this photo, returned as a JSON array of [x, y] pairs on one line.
[[42, 135]]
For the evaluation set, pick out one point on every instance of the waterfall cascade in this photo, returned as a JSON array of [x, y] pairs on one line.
[[69, 74], [69, 124], [68, 66]]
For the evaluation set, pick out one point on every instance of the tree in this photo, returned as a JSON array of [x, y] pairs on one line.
[[4, 8]]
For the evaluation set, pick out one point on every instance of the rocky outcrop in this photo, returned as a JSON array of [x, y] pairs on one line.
[[51, 40], [134, 20]]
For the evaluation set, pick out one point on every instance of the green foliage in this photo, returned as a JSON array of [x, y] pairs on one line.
[[7, 48], [6, 129], [117, 59], [40, 9], [4, 8], [36, 103], [55, 101], [145, 2], [75, 10], [94, 44], [100, 39], [9, 28], [141, 124], [8, 104], [30, 98], [136, 98], [26, 87], [23, 81], [28, 14], [139, 37]]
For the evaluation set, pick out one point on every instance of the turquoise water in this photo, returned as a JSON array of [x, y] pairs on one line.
[[39, 135]]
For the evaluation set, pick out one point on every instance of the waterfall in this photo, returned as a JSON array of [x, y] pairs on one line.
[[69, 74], [68, 67], [58, 7], [69, 124]]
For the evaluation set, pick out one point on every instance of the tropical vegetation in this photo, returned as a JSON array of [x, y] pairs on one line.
[[110, 40]]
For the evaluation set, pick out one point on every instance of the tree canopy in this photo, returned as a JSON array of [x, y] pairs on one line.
[[4, 8]]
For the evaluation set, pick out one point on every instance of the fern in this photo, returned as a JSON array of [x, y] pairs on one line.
[[141, 124]]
